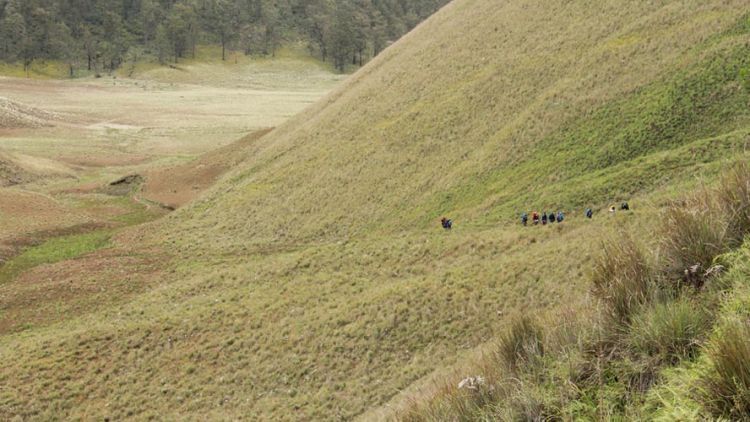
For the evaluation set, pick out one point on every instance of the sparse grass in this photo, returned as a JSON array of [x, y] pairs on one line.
[[54, 250]]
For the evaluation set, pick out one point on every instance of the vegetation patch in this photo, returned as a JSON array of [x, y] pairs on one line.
[[650, 321], [54, 250]]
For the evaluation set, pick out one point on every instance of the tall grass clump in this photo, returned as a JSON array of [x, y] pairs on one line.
[[707, 225], [692, 236], [449, 403], [669, 331], [522, 344], [726, 385], [733, 195], [503, 382], [621, 277]]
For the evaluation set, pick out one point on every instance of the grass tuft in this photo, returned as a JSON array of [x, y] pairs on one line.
[[669, 331], [707, 225], [621, 277], [522, 344], [726, 386], [733, 195], [693, 235]]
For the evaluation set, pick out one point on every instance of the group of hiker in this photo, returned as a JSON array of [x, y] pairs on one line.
[[544, 218], [559, 217]]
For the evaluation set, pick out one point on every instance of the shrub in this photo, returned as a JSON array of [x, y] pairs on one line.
[[726, 385], [669, 331], [621, 277]]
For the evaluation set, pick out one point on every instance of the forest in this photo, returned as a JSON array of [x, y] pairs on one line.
[[101, 35]]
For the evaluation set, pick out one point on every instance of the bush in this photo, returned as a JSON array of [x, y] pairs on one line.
[[669, 331], [621, 277], [726, 385]]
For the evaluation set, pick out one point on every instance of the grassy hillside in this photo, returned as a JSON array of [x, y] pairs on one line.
[[666, 338], [313, 281]]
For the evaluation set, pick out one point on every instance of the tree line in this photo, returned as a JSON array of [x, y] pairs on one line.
[[100, 35]]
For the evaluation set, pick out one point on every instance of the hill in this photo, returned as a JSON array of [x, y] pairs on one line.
[[313, 282]]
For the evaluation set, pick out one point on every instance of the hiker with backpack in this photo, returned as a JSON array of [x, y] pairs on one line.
[[589, 213], [524, 219], [446, 223], [535, 218], [551, 217], [625, 206], [560, 216], [544, 218]]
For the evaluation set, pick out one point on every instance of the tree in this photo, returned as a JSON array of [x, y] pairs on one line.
[[222, 21], [12, 32], [102, 33]]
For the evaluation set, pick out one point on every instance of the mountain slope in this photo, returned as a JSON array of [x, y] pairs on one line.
[[487, 120], [312, 282]]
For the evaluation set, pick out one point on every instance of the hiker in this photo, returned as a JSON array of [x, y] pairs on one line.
[[524, 219], [544, 218], [560, 216], [551, 217], [625, 206], [589, 213], [535, 218], [612, 210], [446, 223]]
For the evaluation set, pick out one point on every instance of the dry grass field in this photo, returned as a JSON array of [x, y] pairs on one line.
[[312, 281], [62, 141]]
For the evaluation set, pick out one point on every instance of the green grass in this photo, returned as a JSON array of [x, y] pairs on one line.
[[40, 69], [650, 340], [55, 250]]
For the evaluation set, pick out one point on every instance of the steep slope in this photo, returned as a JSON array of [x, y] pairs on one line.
[[488, 109], [312, 281]]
